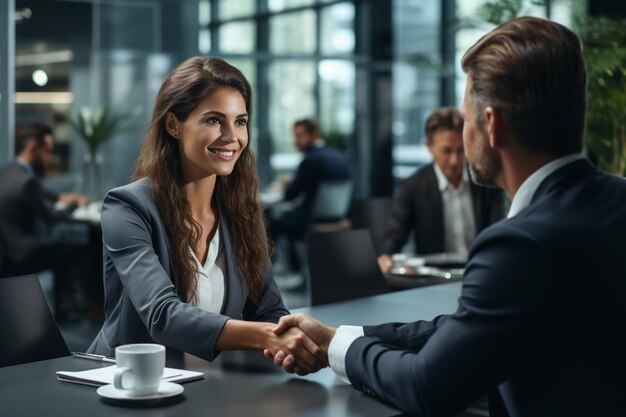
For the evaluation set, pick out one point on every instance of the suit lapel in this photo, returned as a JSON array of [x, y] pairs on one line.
[[434, 205]]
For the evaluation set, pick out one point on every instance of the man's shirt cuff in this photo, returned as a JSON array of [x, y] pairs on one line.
[[338, 349]]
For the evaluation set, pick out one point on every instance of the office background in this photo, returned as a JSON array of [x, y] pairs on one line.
[[370, 70]]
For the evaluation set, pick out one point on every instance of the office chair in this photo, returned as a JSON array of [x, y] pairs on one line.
[[372, 214], [331, 206], [28, 330], [342, 266], [329, 213]]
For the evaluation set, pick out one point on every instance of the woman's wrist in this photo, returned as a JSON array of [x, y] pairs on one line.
[[239, 334]]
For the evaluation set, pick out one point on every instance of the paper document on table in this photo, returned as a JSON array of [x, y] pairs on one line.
[[103, 376]]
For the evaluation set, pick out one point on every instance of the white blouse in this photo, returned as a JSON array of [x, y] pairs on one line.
[[210, 279]]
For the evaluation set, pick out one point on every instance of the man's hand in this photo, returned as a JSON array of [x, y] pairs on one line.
[[81, 200], [305, 355], [315, 330], [384, 263]]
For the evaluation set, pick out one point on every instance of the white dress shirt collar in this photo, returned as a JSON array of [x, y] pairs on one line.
[[443, 182], [210, 279], [24, 164], [528, 188]]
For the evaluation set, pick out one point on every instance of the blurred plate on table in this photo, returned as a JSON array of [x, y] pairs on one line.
[[446, 260]]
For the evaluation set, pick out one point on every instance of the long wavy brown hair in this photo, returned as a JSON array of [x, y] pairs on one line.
[[236, 194]]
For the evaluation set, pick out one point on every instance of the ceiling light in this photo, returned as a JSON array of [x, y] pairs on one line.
[[40, 77]]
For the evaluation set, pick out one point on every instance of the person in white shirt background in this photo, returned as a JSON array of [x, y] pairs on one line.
[[438, 204]]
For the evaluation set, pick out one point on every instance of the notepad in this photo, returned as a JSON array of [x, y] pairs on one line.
[[103, 376]]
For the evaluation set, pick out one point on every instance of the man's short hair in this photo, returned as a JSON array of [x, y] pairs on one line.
[[35, 132], [310, 124], [445, 118], [532, 72]]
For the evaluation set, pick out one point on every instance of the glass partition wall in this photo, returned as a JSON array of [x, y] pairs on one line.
[[370, 70], [430, 38], [300, 56]]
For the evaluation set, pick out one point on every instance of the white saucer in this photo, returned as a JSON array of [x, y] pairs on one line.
[[166, 389]]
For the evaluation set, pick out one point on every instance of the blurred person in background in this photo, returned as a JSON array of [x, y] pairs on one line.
[[439, 204], [320, 163], [25, 203]]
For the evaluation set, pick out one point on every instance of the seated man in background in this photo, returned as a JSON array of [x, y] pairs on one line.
[[439, 203], [320, 163], [24, 202]]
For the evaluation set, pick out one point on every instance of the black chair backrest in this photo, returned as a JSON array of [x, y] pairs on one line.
[[372, 214], [29, 332], [342, 266]]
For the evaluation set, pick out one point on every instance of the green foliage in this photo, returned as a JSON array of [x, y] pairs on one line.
[[95, 127], [497, 12], [336, 139], [604, 46]]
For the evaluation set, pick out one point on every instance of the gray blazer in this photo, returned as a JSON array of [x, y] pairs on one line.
[[141, 301]]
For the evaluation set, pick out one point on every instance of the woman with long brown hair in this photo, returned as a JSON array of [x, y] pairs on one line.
[[186, 259]]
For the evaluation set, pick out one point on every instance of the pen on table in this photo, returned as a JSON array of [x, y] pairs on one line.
[[93, 357]]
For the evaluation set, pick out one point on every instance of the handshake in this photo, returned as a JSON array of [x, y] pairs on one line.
[[300, 344]]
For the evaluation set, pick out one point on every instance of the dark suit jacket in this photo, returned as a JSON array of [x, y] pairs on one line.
[[319, 164], [418, 208], [23, 201], [541, 314], [141, 302]]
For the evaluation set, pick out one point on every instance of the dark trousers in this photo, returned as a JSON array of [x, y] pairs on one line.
[[291, 225]]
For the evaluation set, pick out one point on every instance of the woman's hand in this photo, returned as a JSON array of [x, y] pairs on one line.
[[319, 334], [302, 355]]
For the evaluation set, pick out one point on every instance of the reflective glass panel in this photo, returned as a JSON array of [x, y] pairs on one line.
[[337, 80], [237, 37], [416, 80], [293, 32], [278, 5], [204, 12], [204, 41], [337, 29], [236, 8], [292, 97]]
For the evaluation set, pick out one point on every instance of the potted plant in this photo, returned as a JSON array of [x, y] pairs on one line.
[[604, 47], [95, 127]]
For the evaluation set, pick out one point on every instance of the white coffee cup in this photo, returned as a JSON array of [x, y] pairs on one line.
[[139, 368]]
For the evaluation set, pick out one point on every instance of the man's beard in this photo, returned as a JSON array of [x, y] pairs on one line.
[[485, 165]]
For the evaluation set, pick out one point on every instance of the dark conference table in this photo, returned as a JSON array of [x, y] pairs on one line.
[[237, 383]]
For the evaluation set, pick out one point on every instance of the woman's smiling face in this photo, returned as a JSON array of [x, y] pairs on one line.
[[213, 136]]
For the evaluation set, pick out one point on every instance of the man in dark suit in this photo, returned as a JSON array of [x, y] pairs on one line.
[[541, 312], [320, 163], [439, 203], [24, 202]]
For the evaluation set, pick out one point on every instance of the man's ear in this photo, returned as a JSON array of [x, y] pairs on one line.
[[172, 125], [494, 126], [30, 147]]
